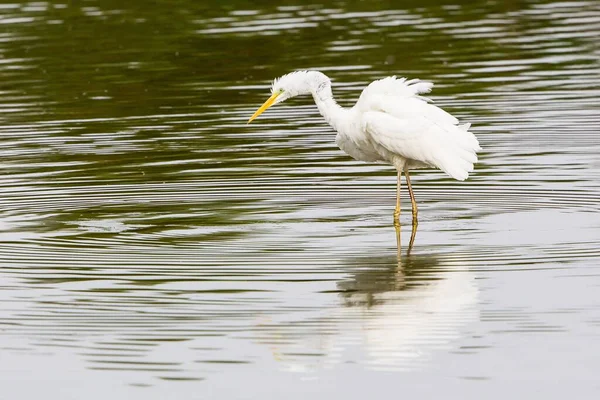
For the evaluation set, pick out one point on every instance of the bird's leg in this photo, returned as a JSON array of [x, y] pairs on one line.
[[397, 210], [398, 242], [415, 211]]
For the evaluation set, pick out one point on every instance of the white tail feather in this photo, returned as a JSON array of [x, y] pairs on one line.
[[460, 153]]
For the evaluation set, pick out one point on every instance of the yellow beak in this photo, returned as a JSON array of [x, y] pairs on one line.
[[262, 108]]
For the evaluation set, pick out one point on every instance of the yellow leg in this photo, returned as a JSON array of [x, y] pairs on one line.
[[397, 210], [415, 210]]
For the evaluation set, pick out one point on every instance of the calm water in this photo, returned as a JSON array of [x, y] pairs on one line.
[[154, 246]]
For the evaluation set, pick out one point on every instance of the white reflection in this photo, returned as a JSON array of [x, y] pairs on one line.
[[404, 327], [388, 317]]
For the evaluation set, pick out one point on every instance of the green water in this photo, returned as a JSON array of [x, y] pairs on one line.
[[154, 246]]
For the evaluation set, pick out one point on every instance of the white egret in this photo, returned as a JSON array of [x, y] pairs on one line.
[[390, 123]]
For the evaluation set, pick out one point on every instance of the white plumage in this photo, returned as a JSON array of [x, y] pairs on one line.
[[403, 127], [391, 122]]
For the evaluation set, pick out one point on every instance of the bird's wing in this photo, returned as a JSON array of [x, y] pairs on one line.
[[423, 136], [400, 121], [403, 99], [395, 87]]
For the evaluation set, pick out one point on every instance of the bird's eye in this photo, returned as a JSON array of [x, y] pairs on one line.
[[281, 91]]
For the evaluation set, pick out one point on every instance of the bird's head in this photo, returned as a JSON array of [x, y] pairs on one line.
[[291, 85]]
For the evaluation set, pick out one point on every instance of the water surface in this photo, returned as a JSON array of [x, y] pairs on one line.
[[153, 245]]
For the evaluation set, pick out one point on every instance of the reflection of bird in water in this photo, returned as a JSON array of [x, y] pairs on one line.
[[384, 275], [393, 314], [390, 123], [408, 310]]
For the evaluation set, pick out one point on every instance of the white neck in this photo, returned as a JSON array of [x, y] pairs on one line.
[[319, 85]]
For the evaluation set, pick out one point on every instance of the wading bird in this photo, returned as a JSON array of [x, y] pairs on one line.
[[390, 123]]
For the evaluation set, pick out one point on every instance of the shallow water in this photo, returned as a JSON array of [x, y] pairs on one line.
[[153, 245]]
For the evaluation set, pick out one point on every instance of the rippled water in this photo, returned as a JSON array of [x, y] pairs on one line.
[[153, 245]]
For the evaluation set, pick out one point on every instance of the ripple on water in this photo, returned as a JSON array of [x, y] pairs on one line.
[[148, 234]]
